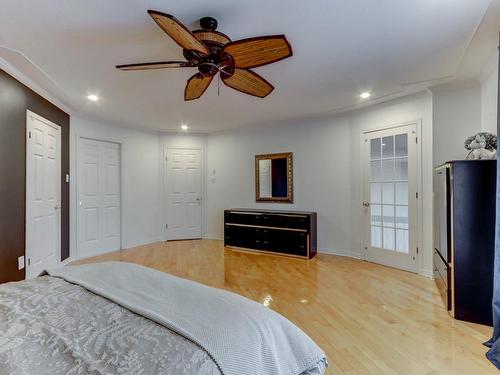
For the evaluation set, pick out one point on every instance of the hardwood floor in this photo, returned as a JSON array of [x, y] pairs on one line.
[[368, 318]]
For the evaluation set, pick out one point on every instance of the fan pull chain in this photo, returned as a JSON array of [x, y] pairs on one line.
[[218, 84]]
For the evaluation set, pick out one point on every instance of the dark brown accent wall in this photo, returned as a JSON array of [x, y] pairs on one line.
[[15, 99]]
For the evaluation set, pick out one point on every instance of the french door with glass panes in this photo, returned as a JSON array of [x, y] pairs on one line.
[[390, 197]]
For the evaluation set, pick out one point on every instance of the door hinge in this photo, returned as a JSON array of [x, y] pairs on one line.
[[29, 135], [166, 158], [417, 250], [29, 261], [416, 139], [416, 195], [166, 226]]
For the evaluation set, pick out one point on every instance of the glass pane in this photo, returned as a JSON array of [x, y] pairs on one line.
[[376, 173], [376, 237], [388, 147], [388, 170], [388, 195], [402, 217], [389, 238], [375, 193], [402, 169], [375, 148], [402, 145], [402, 242], [388, 216], [376, 214], [402, 193]]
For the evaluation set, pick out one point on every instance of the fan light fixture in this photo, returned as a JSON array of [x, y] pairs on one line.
[[365, 95], [213, 54], [184, 127], [93, 97]]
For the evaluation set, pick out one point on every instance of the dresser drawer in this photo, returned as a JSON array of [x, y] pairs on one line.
[[247, 218], [289, 221], [270, 220], [287, 242], [240, 236]]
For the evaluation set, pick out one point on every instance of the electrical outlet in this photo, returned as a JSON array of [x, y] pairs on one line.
[[20, 263]]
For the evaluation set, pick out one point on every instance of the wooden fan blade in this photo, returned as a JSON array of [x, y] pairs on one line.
[[178, 32], [248, 82], [253, 52], [155, 65], [196, 86]]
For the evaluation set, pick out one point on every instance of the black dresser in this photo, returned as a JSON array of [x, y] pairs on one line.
[[291, 233], [464, 237]]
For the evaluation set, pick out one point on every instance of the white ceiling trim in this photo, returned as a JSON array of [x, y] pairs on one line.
[[37, 87]]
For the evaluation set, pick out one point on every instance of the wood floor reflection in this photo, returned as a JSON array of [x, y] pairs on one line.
[[369, 319]]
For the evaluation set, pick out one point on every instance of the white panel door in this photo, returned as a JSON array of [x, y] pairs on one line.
[[43, 195], [98, 187], [183, 193], [390, 199]]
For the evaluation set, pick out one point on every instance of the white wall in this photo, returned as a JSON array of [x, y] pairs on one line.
[[141, 180], [456, 116], [321, 175], [489, 94], [327, 178]]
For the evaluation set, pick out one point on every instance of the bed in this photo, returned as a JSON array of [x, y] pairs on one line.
[[121, 318]]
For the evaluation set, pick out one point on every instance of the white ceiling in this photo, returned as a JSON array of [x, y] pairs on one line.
[[341, 47]]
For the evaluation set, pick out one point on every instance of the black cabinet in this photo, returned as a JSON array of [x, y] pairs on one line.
[[464, 237], [283, 232]]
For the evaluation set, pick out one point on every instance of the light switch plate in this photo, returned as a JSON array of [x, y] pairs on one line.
[[20, 263]]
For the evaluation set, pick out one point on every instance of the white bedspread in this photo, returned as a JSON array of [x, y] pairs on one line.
[[241, 336]]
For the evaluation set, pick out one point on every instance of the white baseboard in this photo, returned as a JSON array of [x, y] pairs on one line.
[[141, 243], [342, 253], [125, 246], [66, 261], [427, 273], [213, 237]]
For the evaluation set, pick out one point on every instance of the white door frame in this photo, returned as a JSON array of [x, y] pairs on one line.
[[27, 254], [165, 214], [419, 185], [79, 137]]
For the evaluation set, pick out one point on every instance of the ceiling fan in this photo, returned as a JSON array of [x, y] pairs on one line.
[[213, 52]]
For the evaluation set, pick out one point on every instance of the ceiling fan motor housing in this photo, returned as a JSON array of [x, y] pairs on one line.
[[216, 61], [208, 68], [208, 23]]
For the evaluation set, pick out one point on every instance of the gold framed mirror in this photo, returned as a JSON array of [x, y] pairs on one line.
[[274, 178]]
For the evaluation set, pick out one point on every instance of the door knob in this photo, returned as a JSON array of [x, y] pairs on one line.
[[366, 204], [80, 204]]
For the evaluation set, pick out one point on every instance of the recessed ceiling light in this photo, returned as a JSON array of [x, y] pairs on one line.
[[184, 127], [93, 97], [365, 95]]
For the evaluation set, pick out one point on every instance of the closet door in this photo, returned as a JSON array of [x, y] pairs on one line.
[[183, 181], [43, 195], [98, 189]]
